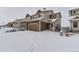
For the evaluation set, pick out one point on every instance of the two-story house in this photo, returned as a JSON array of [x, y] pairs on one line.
[[44, 20], [74, 19]]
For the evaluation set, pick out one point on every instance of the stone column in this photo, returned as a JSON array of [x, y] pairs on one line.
[[39, 25], [71, 25], [53, 26], [26, 26]]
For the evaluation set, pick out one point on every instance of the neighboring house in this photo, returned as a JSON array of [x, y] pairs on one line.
[[10, 24], [17, 23], [41, 20], [74, 19], [24, 21]]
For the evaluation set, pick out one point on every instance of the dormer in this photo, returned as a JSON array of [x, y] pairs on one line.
[[27, 15], [58, 15]]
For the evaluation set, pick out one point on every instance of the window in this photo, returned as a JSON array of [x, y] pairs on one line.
[[71, 13], [75, 24], [39, 15], [60, 15], [51, 25], [31, 17], [34, 17], [53, 16], [74, 12], [56, 15], [50, 16]]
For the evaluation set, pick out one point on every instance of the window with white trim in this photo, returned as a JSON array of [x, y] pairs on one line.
[[75, 24]]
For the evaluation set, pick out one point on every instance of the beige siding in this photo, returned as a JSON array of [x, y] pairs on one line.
[[24, 25], [46, 15], [17, 24]]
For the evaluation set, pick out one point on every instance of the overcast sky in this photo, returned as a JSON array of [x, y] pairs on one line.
[[8, 14]]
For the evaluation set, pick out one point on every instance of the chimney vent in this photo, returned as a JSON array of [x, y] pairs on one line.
[[44, 9]]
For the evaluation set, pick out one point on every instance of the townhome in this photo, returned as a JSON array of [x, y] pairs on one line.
[[24, 22], [74, 19], [40, 21], [17, 23], [10, 24]]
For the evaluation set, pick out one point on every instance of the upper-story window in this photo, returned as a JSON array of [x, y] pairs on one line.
[[57, 15], [34, 17], [75, 24], [31, 17], [51, 17], [71, 12], [74, 11], [39, 15]]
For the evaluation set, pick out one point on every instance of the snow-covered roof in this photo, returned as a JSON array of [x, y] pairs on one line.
[[50, 20], [74, 18], [23, 20], [19, 19], [36, 19], [44, 11], [53, 20]]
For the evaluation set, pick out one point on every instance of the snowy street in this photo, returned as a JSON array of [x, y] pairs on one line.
[[45, 41]]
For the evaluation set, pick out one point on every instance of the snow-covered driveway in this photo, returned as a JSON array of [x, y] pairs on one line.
[[29, 41]]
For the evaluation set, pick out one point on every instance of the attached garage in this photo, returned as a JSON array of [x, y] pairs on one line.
[[37, 26], [33, 26]]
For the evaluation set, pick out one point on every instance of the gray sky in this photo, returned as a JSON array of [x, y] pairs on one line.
[[8, 14]]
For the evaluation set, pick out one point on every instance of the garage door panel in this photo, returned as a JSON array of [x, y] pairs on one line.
[[33, 27]]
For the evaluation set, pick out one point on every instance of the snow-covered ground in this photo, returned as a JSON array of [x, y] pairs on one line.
[[45, 41]]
